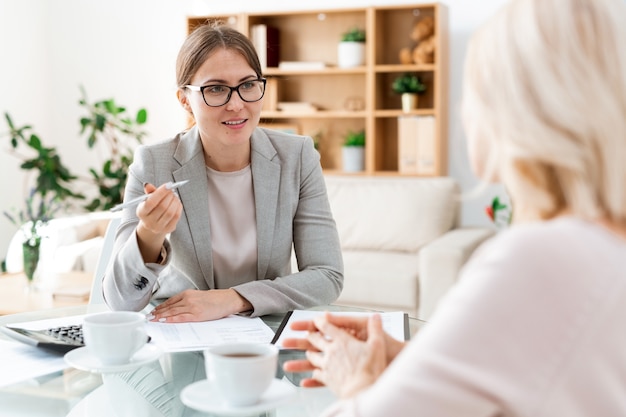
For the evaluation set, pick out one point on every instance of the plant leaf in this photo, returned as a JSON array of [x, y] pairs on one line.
[[142, 116], [100, 122], [34, 142]]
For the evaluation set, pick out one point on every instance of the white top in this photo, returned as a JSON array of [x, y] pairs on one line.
[[535, 327], [232, 219]]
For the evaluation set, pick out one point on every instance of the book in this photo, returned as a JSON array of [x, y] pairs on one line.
[[296, 106], [266, 40], [426, 145], [270, 98], [72, 293], [416, 145], [301, 65], [396, 323], [407, 144]]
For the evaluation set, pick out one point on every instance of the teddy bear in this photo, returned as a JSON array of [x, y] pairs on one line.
[[424, 40]]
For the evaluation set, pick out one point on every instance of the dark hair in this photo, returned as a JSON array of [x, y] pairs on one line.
[[205, 40]]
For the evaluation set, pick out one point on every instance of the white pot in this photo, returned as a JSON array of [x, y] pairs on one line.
[[409, 102], [353, 158], [350, 54]]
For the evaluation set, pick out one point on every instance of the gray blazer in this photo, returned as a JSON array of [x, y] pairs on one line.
[[292, 210]]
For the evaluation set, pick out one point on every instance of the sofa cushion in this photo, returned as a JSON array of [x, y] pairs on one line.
[[392, 214], [66, 241], [380, 279]]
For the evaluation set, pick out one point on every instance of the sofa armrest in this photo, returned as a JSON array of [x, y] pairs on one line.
[[440, 262]]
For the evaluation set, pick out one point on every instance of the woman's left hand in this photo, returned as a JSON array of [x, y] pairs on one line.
[[344, 363], [200, 305]]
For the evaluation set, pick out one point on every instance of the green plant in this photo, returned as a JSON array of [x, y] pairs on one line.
[[108, 122], [355, 138], [46, 198], [408, 83], [499, 213], [38, 211], [317, 138], [353, 35], [53, 178]]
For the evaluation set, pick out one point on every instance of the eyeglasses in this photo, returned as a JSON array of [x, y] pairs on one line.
[[216, 95]]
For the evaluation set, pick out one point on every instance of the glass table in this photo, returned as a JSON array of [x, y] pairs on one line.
[[151, 390]]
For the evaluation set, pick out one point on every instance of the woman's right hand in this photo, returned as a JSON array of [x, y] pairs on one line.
[[158, 216]]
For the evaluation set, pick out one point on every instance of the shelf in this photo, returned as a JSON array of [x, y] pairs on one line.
[[404, 68], [272, 71], [399, 112], [358, 98], [320, 114]]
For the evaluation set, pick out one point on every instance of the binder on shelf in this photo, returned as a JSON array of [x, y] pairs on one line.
[[270, 98], [416, 145], [301, 65], [266, 40], [426, 145], [407, 144], [297, 106]]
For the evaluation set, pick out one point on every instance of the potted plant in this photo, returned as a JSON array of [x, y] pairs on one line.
[[32, 221], [408, 86], [499, 213], [351, 50], [109, 123], [49, 194], [353, 151]]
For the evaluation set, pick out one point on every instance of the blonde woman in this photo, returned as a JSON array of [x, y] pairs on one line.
[[535, 326]]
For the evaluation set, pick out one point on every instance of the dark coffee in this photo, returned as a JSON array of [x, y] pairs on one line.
[[241, 355]]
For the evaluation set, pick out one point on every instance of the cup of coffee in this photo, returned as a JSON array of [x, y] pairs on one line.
[[114, 337], [241, 372]]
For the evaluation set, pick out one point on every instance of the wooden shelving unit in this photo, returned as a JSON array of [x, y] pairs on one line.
[[313, 35]]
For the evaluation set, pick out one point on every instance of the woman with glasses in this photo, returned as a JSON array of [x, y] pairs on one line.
[[535, 325], [221, 244]]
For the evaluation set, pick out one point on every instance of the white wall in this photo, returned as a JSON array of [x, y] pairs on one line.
[[125, 49]]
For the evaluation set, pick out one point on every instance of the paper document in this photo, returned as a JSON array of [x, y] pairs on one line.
[[21, 362], [395, 323], [49, 323], [179, 337]]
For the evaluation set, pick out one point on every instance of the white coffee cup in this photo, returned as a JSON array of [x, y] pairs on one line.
[[241, 372], [114, 337]]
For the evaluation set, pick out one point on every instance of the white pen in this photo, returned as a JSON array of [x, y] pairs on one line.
[[170, 186]]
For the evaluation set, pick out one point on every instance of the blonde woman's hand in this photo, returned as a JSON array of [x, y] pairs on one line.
[[340, 359], [357, 327]]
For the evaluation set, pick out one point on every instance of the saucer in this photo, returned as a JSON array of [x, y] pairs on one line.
[[81, 359], [202, 397]]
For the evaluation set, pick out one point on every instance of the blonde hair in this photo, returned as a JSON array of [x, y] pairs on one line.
[[545, 94]]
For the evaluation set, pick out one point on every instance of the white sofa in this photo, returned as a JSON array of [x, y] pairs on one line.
[[401, 242], [71, 243]]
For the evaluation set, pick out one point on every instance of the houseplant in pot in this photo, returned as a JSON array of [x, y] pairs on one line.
[[32, 221], [409, 86], [49, 194], [351, 49], [353, 151]]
